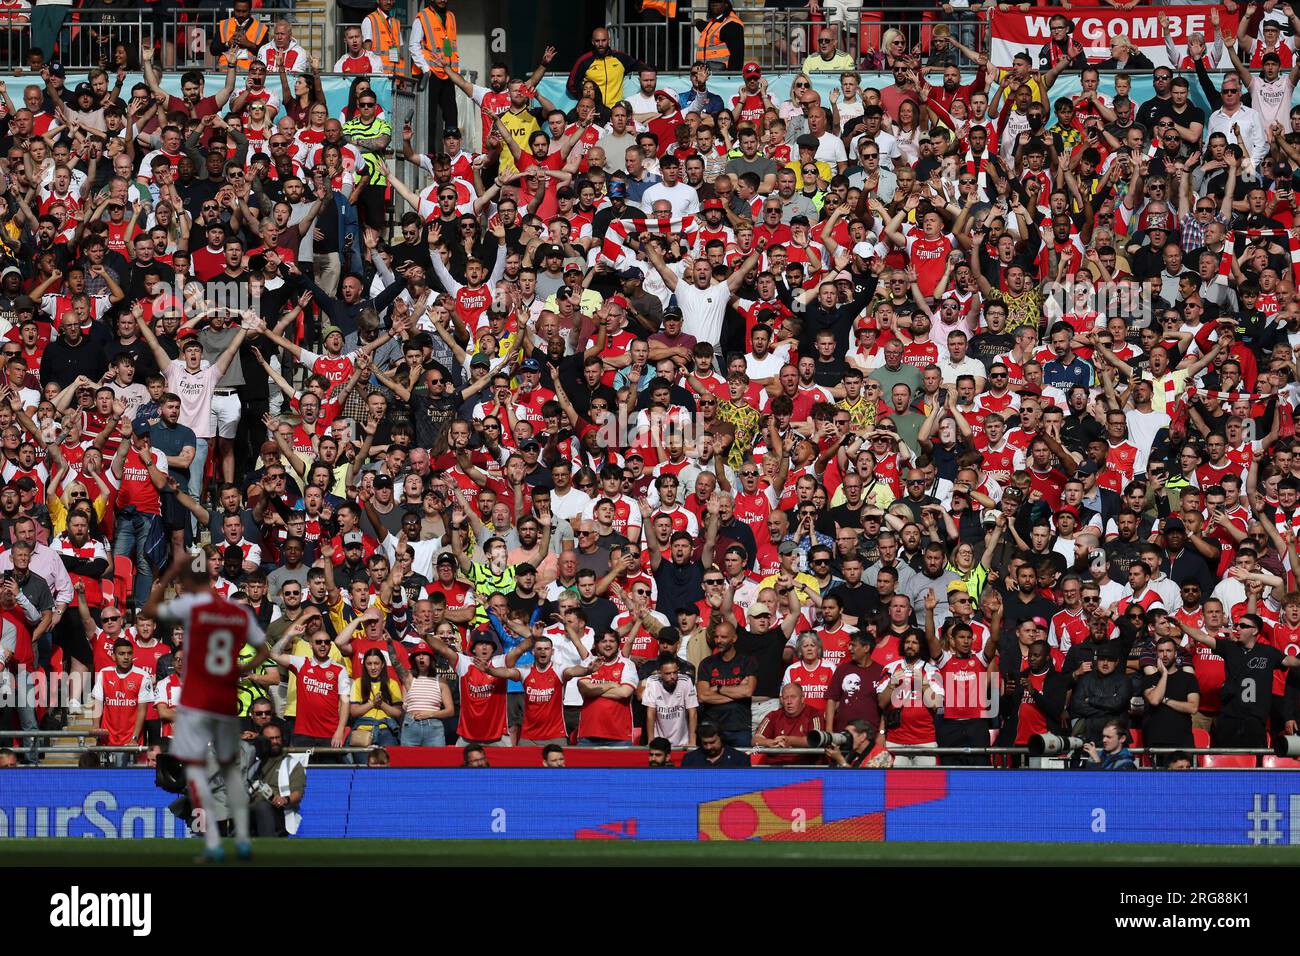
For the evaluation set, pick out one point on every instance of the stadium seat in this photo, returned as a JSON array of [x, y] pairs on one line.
[[1227, 761], [1200, 738], [1274, 762], [1135, 742], [123, 579]]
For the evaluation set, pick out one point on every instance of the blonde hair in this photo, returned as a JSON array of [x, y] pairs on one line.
[[890, 36]]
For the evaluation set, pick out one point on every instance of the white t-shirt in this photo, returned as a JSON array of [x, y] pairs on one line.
[[830, 149], [685, 200], [703, 310], [671, 708]]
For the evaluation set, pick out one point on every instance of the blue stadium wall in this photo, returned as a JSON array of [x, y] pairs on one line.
[[1193, 807]]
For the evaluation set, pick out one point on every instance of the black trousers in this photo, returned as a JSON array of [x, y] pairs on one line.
[[962, 733], [442, 100], [266, 820], [1239, 732], [250, 433]]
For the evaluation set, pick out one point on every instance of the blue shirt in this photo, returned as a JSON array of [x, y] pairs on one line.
[[636, 187], [709, 102], [1063, 376], [171, 440]]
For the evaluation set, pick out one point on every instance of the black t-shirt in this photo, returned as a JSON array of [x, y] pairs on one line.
[[1248, 678], [987, 346], [1162, 726], [600, 614], [862, 601], [734, 714], [766, 651]]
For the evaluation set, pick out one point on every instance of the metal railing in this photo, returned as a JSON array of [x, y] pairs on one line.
[[107, 39], [783, 39]]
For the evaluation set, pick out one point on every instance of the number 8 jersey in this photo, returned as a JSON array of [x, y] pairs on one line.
[[216, 630]]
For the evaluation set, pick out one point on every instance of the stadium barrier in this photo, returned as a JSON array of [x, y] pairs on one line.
[[1243, 808]]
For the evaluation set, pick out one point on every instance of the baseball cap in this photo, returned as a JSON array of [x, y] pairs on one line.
[[530, 365], [844, 275], [480, 359], [629, 274], [788, 547], [453, 132], [553, 250], [668, 93], [689, 609], [751, 69], [529, 444], [84, 89], [1086, 469], [672, 312], [384, 481], [572, 266], [807, 141], [1040, 622], [617, 189], [56, 68], [669, 635], [140, 426], [446, 558], [11, 270], [524, 568], [1174, 524], [1108, 651], [864, 250], [353, 537], [958, 586], [757, 609]]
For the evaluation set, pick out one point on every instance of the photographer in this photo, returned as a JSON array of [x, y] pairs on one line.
[[867, 749], [277, 783], [1114, 753], [1100, 695]]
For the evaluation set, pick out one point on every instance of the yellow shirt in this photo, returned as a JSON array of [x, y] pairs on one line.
[[520, 126], [823, 169], [59, 512], [802, 577], [376, 713]]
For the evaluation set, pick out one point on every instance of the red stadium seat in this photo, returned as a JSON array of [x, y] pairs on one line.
[[1200, 738], [1135, 741], [123, 579], [1274, 762], [1227, 761]]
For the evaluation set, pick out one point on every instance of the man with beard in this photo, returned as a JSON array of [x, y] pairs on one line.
[[671, 702], [73, 354]]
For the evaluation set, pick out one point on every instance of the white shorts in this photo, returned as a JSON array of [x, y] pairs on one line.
[[226, 410], [195, 729]]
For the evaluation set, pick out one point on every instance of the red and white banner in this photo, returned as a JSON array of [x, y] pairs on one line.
[[1026, 31]]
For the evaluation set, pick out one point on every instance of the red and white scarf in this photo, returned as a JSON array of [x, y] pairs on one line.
[[979, 169], [1225, 258], [1228, 398], [614, 244]]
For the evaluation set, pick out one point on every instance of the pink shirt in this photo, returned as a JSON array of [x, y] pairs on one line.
[[195, 391]]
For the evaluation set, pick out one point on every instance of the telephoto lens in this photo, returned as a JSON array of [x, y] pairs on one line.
[[1288, 746], [822, 738], [1052, 745]]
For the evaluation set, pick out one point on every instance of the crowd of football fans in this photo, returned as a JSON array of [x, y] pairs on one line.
[[942, 413]]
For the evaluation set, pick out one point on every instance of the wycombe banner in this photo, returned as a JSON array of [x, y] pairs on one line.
[[1243, 808], [1016, 31]]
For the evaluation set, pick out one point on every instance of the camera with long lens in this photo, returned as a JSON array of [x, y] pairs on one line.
[[1288, 746], [1053, 745], [824, 739]]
